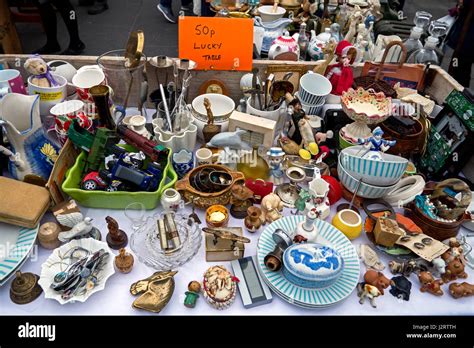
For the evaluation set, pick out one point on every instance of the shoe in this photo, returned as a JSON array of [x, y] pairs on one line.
[[86, 2], [48, 49], [74, 50], [188, 9], [167, 12], [98, 9]]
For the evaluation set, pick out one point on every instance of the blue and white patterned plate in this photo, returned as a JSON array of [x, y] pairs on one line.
[[16, 244], [305, 297]]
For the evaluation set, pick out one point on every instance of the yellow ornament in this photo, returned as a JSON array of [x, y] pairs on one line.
[[313, 148], [305, 154]]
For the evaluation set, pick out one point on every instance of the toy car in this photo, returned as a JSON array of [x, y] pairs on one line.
[[93, 181]]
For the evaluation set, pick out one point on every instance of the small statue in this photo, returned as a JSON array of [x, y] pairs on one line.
[[375, 142], [404, 268], [276, 156], [289, 146], [40, 71], [116, 238], [295, 110], [194, 288], [124, 261], [241, 199], [210, 129], [340, 74], [229, 140], [429, 284], [377, 279], [272, 206], [400, 287], [454, 270], [306, 132], [80, 227], [155, 291], [458, 290], [371, 292]]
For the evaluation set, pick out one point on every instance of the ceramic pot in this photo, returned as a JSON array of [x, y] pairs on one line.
[[20, 117], [183, 162], [137, 123], [85, 78], [314, 89], [171, 200], [11, 82], [284, 44], [253, 221], [277, 115], [49, 96], [272, 30], [203, 199], [348, 222]]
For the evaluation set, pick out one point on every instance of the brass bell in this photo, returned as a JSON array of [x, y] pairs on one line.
[[25, 288]]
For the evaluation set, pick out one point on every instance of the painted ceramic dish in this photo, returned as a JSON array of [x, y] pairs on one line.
[[386, 172], [56, 264], [306, 297], [16, 244], [312, 265]]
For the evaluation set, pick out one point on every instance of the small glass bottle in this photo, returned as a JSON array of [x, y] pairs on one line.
[[427, 54], [413, 43], [303, 41]]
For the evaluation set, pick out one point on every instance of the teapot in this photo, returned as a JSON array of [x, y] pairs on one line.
[[272, 30], [315, 47], [285, 44]]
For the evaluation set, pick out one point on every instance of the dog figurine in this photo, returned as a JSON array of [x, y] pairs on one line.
[[365, 290], [458, 290], [429, 284]]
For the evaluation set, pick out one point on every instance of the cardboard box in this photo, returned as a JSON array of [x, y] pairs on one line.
[[259, 130]]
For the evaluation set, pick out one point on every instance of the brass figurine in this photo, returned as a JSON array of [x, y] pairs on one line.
[[210, 129], [155, 291], [25, 288]]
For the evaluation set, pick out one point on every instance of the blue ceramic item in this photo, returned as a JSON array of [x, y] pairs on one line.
[[183, 162]]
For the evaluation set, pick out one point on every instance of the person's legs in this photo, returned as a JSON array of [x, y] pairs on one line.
[[187, 5], [48, 16], [165, 8], [69, 15], [99, 7]]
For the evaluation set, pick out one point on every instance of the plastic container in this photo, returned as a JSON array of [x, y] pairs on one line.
[[117, 199]]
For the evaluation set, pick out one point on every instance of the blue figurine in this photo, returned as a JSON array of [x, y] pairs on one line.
[[375, 142]]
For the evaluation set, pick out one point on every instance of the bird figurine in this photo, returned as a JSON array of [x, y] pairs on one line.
[[80, 227]]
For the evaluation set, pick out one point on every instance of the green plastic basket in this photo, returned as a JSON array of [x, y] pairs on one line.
[[117, 199]]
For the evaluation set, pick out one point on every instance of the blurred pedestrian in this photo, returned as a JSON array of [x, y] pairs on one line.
[[166, 10], [96, 6], [69, 16]]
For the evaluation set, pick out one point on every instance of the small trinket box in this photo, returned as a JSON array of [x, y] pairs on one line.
[[387, 232], [219, 249]]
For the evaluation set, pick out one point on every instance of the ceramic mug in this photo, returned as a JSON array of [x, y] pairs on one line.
[[203, 156], [69, 110], [311, 110], [86, 77], [348, 222], [11, 82], [314, 88], [183, 162], [49, 96]]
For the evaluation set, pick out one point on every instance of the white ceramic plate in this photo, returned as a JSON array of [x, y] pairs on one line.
[[16, 244], [52, 266]]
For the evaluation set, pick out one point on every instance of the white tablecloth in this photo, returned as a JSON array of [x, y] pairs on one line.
[[116, 299]]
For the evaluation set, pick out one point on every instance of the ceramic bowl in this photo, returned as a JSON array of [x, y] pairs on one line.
[[217, 209], [267, 14], [366, 105], [313, 110], [314, 88], [348, 222], [365, 190], [386, 172], [221, 106]]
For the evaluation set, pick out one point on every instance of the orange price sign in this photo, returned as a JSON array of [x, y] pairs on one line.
[[217, 43]]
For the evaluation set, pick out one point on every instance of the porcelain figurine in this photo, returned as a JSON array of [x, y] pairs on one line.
[[272, 206], [155, 291], [219, 287], [116, 238], [400, 287], [210, 129], [370, 258], [371, 292], [254, 219], [80, 227], [404, 268], [20, 118], [40, 71], [289, 146], [306, 230], [229, 140], [458, 290], [124, 261], [429, 284], [306, 132], [194, 288], [340, 74], [377, 279], [284, 46], [275, 163], [328, 55], [319, 190], [241, 200], [355, 18], [376, 143], [454, 270], [439, 266]]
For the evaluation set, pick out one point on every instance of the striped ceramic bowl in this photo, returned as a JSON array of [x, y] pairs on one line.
[[314, 88], [385, 172], [365, 190], [311, 109]]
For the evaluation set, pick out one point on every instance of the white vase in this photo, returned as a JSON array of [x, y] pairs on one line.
[[171, 200], [20, 117]]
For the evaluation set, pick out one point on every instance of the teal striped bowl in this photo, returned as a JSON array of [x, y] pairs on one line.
[[303, 296], [365, 190], [374, 172]]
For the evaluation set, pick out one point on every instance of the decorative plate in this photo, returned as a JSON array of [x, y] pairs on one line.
[[305, 297], [366, 105], [56, 263], [16, 244]]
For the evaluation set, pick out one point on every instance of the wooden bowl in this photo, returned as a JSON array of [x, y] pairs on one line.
[[406, 144], [204, 199]]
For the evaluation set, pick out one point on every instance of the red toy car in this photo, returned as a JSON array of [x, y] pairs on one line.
[[93, 181]]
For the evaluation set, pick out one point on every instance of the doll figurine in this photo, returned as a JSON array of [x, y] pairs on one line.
[[340, 74], [376, 142], [194, 288], [276, 155]]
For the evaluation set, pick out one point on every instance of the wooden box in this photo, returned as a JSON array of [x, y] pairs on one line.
[[387, 232], [259, 130], [224, 250]]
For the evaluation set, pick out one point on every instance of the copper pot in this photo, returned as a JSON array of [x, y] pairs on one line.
[[203, 199]]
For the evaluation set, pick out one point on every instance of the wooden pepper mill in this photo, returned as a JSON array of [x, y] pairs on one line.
[[210, 129], [25, 288], [116, 238], [124, 261]]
